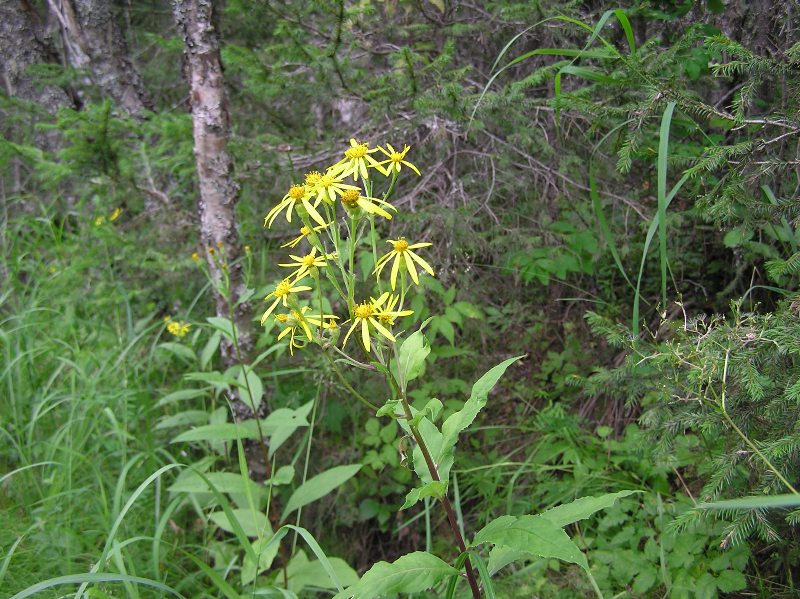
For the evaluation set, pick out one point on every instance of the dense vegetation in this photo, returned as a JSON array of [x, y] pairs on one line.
[[612, 194]]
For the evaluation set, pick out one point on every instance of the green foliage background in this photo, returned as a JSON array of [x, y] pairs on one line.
[[539, 198]]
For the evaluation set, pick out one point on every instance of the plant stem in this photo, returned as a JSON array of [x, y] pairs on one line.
[[752, 446], [451, 516], [349, 387]]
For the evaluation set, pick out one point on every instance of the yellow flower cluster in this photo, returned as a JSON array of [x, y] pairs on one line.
[[177, 328], [314, 202]]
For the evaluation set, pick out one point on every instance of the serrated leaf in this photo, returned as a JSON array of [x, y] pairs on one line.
[[729, 581], [582, 508], [319, 486], [412, 573], [534, 534], [435, 489]]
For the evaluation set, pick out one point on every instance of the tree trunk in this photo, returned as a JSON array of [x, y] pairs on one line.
[[197, 23], [21, 47], [94, 41]]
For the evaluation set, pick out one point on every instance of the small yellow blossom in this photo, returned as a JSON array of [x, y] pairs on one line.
[[114, 215], [282, 293], [178, 328], [99, 221], [303, 264], [402, 252], [329, 185], [357, 161], [304, 232], [247, 249], [387, 315], [195, 256], [298, 195], [300, 319], [368, 314], [396, 159], [353, 199]]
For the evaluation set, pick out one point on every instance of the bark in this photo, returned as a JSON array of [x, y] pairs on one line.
[[94, 41], [21, 46], [197, 24]]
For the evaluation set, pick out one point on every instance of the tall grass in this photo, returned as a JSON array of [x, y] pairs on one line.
[[76, 397]]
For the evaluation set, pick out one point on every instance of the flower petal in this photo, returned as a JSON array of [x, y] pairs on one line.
[[395, 268], [412, 270], [365, 333], [269, 310], [422, 263], [382, 330]]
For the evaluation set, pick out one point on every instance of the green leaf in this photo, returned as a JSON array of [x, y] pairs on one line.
[[225, 482], [278, 425], [253, 523], [266, 552], [500, 556], [178, 349], [535, 535], [180, 395], [252, 390], [730, 581], [582, 508], [412, 573], [435, 489], [210, 349], [754, 502], [411, 357], [319, 486], [303, 572], [223, 325], [92, 578]]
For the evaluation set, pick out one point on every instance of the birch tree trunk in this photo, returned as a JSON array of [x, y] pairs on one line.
[[198, 25], [94, 41]]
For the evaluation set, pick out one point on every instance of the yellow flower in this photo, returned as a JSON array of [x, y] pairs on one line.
[[195, 256], [281, 293], [304, 232], [99, 221], [114, 215], [178, 329], [388, 314], [298, 195], [352, 199], [396, 159], [368, 314], [402, 252], [329, 185], [299, 318], [356, 161], [303, 264]]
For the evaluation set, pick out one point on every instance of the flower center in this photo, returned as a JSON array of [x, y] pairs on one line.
[[386, 319], [364, 310], [313, 178], [304, 230], [358, 152], [326, 181], [282, 288], [401, 245], [282, 317], [396, 157], [308, 261], [350, 197], [297, 192]]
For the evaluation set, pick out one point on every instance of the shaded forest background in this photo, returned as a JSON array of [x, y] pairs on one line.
[[661, 330]]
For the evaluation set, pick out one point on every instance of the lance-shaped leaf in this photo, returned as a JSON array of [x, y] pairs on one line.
[[319, 486], [412, 573]]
